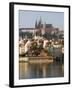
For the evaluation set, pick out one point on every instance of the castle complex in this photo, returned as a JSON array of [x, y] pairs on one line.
[[40, 28]]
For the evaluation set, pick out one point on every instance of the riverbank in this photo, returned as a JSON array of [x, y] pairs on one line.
[[36, 59]]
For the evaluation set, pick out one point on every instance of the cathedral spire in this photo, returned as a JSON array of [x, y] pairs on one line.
[[40, 22], [44, 25], [36, 24]]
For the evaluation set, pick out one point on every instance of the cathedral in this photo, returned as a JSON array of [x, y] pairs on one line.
[[40, 28], [44, 28]]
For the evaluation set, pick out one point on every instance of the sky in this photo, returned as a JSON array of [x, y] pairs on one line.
[[27, 18]]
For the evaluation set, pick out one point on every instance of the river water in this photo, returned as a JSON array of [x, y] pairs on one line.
[[40, 70]]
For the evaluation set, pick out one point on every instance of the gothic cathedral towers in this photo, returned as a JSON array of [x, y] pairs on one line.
[[40, 26]]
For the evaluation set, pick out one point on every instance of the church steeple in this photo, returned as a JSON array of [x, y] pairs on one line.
[[36, 24], [39, 23], [44, 25]]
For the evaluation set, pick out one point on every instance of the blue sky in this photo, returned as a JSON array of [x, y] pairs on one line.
[[27, 18]]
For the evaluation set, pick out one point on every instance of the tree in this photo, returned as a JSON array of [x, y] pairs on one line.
[[47, 35]]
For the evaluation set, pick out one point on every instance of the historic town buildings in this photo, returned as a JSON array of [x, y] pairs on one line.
[[41, 28]]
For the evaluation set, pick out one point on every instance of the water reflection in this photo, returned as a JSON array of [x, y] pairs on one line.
[[40, 70]]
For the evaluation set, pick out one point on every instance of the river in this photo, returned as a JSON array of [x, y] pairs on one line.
[[29, 70]]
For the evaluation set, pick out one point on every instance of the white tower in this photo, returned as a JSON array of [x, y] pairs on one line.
[[43, 29]]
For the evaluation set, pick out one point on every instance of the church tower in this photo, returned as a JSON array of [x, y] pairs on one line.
[[40, 23], [43, 29], [36, 26]]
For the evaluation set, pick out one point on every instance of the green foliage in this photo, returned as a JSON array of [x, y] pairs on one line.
[[24, 34], [50, 36]]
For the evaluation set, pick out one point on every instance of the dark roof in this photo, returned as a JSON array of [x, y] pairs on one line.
[[48, 25], [26, 28]]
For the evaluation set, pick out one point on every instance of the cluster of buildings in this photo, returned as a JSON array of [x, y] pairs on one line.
[[41, 29]]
